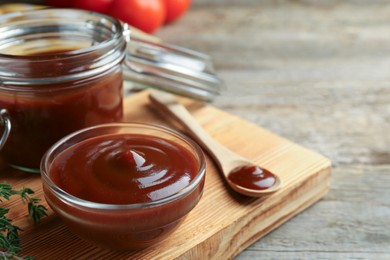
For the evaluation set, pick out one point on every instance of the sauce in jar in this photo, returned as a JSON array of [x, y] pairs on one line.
[[124, 169], [41, 114], [60, 71]]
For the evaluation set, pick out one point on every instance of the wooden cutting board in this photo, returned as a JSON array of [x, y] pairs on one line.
[[224, 222]]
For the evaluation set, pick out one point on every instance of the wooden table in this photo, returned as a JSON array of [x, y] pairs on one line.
[[317, 73]]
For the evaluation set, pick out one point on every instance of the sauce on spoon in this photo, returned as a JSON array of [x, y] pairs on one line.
[[252, 177]]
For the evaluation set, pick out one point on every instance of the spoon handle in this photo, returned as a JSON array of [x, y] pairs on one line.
[[169, 105]]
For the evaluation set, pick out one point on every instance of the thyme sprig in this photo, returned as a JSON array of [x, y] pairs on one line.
[[9, 234]]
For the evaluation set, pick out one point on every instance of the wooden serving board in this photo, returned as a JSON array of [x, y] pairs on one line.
[[224, 222]]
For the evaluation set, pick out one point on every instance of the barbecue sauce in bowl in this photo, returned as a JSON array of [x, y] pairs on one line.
[[124, 169], [123, 186]]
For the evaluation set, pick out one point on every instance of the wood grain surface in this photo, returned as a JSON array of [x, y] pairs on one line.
[[224, 222], [316, 72]]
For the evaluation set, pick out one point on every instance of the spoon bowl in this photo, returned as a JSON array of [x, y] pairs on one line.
[[266, 185], [254, 182]]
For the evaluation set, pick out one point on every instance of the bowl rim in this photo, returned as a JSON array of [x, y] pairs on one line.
[[78, 202]]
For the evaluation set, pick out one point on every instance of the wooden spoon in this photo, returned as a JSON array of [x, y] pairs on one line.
[[241, 174]]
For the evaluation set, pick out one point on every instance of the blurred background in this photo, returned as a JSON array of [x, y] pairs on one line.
[[317, 73]]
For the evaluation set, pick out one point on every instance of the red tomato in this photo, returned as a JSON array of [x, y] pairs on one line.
[[175, 9], [146, 15], [100, 6], [59, 3]]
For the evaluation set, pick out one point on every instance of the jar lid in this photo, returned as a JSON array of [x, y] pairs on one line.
[[171, 68]]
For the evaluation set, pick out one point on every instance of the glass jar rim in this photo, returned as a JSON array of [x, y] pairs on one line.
[[102, 34], [78, 202], [13, 21]]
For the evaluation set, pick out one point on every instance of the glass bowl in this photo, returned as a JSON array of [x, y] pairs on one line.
[[132, 225]]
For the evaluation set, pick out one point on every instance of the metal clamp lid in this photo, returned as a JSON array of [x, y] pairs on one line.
[[171, 68]]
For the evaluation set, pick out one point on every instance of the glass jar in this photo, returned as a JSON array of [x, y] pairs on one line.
[[57, 77], [61, 70]]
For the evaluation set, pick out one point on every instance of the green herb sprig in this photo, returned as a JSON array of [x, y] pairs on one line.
[[9, 234]]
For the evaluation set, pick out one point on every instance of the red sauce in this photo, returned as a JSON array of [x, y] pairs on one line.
[[119, 169], [40, 117], [252, 177], [124, 169]]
